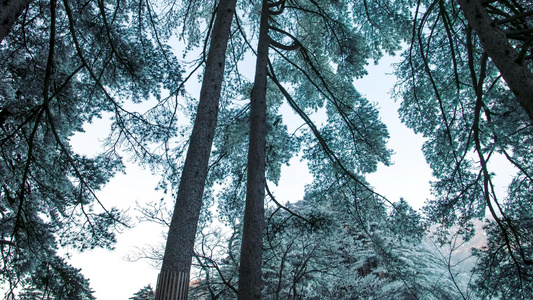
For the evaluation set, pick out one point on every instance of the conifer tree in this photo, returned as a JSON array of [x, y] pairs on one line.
[[173, 280], [64, 64], [458, 89], [146, 293], [250, 281]]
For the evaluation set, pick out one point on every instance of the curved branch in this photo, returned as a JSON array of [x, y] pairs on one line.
[[280, 5], [517, 165], [284, 207], [295, 44]]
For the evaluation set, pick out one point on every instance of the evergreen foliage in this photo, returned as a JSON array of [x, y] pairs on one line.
[[324, 253], [454, 92], [56, 280], [64, 64], [146, 293]]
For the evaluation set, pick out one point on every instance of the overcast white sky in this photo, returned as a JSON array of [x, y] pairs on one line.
[[409, 176]]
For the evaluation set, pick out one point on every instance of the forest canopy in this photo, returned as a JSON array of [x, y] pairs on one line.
[[464, 82]]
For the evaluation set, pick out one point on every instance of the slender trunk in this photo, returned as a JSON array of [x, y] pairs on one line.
[[9, 13], [173, 281], [250, 283], [518, 77]]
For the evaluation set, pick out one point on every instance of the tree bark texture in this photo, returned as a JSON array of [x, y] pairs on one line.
[[518, 77], [10, 11], [174, 276], [250, 282]]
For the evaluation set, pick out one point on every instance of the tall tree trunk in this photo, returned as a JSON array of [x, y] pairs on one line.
[[518, 77], [9, 13], [173, 281], [250, 282]]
